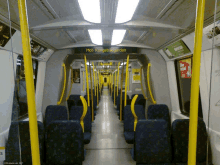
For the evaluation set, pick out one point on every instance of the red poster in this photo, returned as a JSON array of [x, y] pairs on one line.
[[185, 68]]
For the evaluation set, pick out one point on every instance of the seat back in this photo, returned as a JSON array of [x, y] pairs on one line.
[[20, 131], [152, 142], [76, 113], [140, 96], [129, 118], [71, 103], [64, 143], [55, 112], [159, 111], [180, 137], [74, 97], [118, 100]]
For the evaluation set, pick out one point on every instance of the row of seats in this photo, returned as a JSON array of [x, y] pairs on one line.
[[156, 142], [61, 138], [60, 143]]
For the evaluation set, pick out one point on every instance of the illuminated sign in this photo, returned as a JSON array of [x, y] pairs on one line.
[[176, 49], [102, 50]]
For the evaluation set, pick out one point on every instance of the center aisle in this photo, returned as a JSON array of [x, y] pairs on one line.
[[107, 146]]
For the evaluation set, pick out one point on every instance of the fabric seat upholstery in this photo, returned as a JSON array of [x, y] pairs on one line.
[[129, 121], [75, 114], [180, 136], [21, 130], [64, 143], [159, 111], [55, 112], [152, 142]]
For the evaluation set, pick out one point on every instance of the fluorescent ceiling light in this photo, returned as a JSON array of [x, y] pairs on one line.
[[96, 36], [125, 10], [91, 10], [117, 36]]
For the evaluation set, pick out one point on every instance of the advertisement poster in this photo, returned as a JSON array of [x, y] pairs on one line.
[[136, 77], [76, 75], [185, 68]]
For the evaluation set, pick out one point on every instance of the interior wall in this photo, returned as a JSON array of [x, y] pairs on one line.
[[54, 78], [158, 77]]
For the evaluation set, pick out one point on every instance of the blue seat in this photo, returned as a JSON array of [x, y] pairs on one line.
[[118, 101], [64, 143], [94, 105], [159, 111], [21, 130], [152, 143], [129, 121], [75, 114], [73, 100], [180, 137], [55, 112]]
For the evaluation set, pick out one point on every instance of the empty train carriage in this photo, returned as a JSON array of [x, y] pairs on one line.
[[100, 82]]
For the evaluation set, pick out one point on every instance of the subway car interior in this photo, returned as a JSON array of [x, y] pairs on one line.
[[110, 82]]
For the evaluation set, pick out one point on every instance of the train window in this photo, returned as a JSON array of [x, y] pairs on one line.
[[184, 74], [20, 87]]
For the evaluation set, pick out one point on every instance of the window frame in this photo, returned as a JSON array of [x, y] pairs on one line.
[[179, 89]]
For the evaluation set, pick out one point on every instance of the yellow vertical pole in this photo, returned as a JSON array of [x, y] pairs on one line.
[[115, 88], [126, 80], [87, 81], [94, 77], [97, 88], [91, 91], [118, 78], [83, 82], [194, 97], [111, 84], [122, 73], [29, 82]]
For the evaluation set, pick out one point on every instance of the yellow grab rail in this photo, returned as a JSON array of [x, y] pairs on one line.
[[114, 88], [148, 82], [64, 85], [142, 89], [87, 81], [84, 112], [83, 82], [133, 111], [91, 91], [29, 83], [94, 77], [70, 85], [194, 96], [118, 78], [121, 92], [126, 80]]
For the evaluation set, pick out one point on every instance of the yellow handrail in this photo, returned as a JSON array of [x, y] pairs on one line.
[[118, 78], [142, 89], [194, 97], [133, 111], [148, 82], [87, 81], [83, 82], [126, 80], [91, 92], [70, 85], [94, 77], [29, 83], [121, 91], [84, 112], [64, 85], [114, 88], [97, 88]]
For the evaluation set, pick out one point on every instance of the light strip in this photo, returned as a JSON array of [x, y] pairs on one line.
[[91, 10], [117, 36], [125, 10], [96, 36]]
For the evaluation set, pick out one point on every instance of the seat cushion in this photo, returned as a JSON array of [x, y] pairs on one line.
[[129, 137]]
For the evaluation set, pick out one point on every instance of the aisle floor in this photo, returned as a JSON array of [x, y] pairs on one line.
[[107, 146]]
